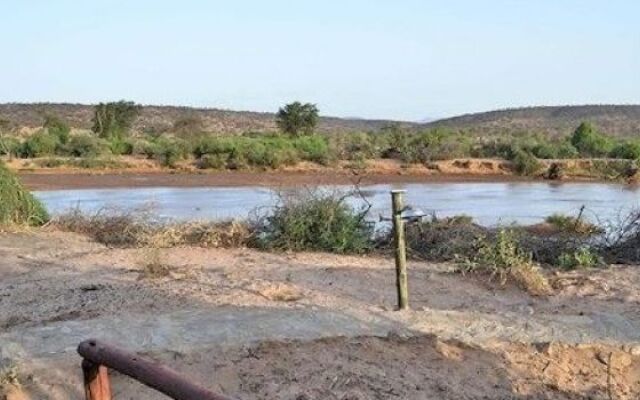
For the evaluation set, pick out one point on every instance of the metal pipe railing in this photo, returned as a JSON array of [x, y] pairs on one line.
[[98, 357]]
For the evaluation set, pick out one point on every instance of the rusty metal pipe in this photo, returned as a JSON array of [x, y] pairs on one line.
[[150, 373]]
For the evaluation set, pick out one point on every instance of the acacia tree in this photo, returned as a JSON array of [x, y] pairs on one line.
[[114, 120], [297, 118]]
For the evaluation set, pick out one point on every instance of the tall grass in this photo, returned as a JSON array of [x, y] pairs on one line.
[[17, 205]]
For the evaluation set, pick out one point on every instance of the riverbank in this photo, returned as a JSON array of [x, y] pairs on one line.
[[141, 173], [258, 325]]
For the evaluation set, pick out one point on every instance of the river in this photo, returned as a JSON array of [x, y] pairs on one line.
[[488, 203]]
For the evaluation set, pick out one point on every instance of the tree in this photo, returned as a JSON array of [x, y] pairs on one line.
[[590, 142], [297, 118], [114, 120]]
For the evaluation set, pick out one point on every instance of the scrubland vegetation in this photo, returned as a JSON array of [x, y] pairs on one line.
[[56, 145]]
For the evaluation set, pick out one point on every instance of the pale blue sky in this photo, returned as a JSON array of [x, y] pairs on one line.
[[403, 59]]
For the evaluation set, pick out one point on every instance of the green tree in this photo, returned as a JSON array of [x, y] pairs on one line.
[[297, 118], [590, 142], [114, 120]]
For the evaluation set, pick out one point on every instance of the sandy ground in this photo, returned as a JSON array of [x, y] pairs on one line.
[[308, 326]]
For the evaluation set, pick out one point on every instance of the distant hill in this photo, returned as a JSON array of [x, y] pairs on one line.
[[160, 118], [618, 120]]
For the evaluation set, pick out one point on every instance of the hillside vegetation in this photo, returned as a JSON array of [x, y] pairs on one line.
[[616, 120], [163, 118]]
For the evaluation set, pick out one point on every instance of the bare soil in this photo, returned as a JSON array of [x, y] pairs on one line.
[[259, 325]]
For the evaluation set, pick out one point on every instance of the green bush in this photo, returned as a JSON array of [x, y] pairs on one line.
[[57, 127], [212, 161], [554, 150], [315, 221], [167, 151], [525, 163], [590, 142], [313, 148], [570, 224], [39, 144], [583, 258], [17, 205], [10, 146], [629, 150], [85, 146], [121, 146]]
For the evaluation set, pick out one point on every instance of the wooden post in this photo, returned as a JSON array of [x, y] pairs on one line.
[[401, 250], [96, 381]]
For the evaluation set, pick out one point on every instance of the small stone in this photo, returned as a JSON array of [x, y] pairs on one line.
[[635, 350]]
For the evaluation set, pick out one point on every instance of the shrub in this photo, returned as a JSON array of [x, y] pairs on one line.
[[314, 148], [212, 161], [554, 150], [583, 258], [629, 150], [39, 144], [569, 224], [17, 205], [167, 152], [9, 146], [590, 142], [436, 239], [121, 146], [502, 257], [85, 146], [315, 220], [525, 163], [57, 127]]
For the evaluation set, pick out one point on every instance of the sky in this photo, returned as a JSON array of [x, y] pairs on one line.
[[403, 59]]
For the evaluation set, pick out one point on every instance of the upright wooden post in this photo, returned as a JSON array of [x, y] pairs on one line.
[[401, 249], [96, 381]]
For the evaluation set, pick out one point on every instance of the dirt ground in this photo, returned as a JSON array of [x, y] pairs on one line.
[[259, 325]]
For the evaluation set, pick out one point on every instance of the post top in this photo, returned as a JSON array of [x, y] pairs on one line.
[[399, 191]]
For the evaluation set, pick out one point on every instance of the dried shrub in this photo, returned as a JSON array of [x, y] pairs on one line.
[[445, 239], [138, 228], [621, 241], [152, 265]]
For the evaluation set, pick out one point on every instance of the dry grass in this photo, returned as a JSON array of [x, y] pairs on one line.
[[138, 228], [152, 264], [9, 377], [281, 293]]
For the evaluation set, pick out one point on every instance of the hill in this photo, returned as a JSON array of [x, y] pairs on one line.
[[616, 120], [160, 118]]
